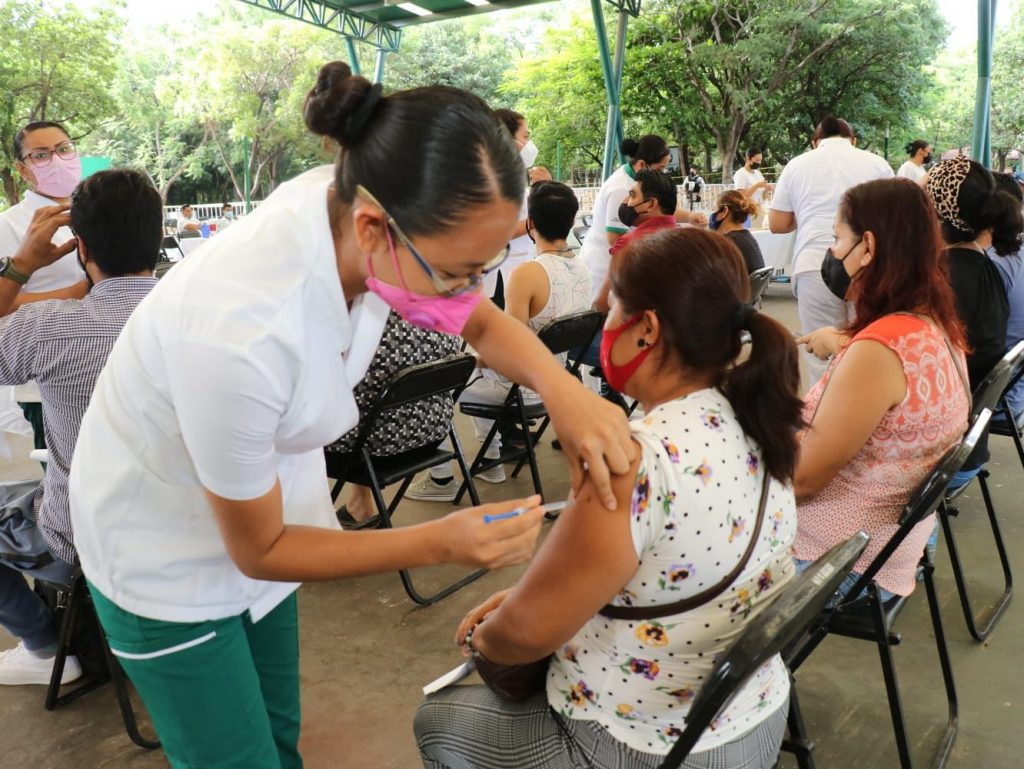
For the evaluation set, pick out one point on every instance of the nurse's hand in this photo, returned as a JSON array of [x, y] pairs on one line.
[[468, 538], [595, 438]]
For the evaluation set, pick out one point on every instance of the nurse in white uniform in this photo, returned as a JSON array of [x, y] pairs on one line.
[[198, 489]]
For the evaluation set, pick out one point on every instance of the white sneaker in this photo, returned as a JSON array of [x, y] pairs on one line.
[[426, 489], [495, 475], [20, 666]]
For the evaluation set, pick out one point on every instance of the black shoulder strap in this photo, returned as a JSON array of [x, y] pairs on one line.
[[705, 596]]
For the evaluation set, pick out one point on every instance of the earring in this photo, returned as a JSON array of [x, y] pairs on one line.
[[641, 343]]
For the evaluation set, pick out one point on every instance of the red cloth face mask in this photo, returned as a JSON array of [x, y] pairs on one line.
[[618, 376]]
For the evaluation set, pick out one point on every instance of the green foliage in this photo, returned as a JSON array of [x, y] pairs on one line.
[[55, 64]]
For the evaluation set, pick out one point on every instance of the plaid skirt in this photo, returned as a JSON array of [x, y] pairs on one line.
[[468, 727]]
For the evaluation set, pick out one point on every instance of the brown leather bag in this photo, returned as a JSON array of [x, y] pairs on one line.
[[517, 683]]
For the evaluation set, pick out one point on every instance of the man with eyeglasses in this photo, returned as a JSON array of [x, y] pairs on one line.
[[49, 164]]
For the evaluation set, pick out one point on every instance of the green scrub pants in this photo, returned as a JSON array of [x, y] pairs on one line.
[[222, 693]]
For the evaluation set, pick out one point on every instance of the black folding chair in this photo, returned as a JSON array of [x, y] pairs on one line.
[[580, 232], [990, 394], [416, 383], [570, 332], [868, 618], [1003, 421], [71, 600], [798, 604], [759, 280]]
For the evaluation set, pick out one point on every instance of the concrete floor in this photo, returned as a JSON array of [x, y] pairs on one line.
[[366, 652]]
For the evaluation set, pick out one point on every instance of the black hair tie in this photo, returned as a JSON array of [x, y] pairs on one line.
[[361, 115], [741, 318]]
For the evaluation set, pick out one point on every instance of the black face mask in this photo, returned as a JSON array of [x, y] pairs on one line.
[[755, 166], [628, 214], [834, 273], [927, 159], [88, 279]]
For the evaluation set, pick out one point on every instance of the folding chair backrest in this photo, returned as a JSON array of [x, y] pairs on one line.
[[169, 241], [759, 282], [988, 393], [778, 625], [571, 331], [926, 498], [990, 389], [426, 379], [588, 220], [190, 234], [580, 232]]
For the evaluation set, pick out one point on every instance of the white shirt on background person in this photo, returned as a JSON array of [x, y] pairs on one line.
[[744, 180], [811, 186], [595, 251], [911, 170]]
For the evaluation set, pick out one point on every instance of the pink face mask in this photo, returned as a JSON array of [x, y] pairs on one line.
[[447, 314], [59, 178]]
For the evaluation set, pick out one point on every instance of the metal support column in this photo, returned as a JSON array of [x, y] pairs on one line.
[[378, 71], [981, 141], [246, 182], [612, 78], [353, 58]]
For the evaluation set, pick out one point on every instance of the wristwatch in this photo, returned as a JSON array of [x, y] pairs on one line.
[[7, 270]]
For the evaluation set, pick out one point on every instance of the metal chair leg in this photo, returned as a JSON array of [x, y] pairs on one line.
[[797, 743], [385, 512], [978, 625], [530, 453], [892, 688], [124, 702], [945, 662]]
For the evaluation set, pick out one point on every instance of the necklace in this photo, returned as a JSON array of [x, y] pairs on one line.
[[563, 252], [968, 244]]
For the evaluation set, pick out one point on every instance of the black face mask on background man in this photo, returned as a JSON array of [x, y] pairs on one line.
[[834, 273]]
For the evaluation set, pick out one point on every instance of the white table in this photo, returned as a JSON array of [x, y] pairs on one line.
[[776, 249]]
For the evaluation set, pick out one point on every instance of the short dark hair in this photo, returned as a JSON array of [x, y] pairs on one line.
[[510, 118], [833, 126], [753, 152], [1007, 183], [659, 185], [119, 216], [552, 208], [35, 125], [419, 130]]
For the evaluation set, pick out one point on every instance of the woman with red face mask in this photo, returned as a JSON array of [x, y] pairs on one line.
[[716, 446], [199, 495]]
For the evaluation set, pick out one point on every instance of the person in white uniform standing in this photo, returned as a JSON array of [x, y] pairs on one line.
[[199, 495], [807, 199], [48, 163], [920, 152]]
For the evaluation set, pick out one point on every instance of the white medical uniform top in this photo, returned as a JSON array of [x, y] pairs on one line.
[[63, 273], [811, 186], [911, 170], [744, 179], [234, 372], [606, 219]]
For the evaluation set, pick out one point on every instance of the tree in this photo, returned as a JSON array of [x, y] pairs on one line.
[[151, 133], [55, 64], [745, 60], [458, 53], [561, 92], [249, 85], [1007, 98]]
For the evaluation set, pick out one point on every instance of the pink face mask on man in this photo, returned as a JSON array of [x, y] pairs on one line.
[[59, 178], [447, 314]]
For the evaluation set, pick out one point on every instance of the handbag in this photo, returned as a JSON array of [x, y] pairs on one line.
[[517, 683]]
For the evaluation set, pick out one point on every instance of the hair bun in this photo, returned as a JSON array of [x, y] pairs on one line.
[[629, 147], [340, 105]]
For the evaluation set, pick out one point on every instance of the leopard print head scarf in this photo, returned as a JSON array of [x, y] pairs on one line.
[[943, 185]]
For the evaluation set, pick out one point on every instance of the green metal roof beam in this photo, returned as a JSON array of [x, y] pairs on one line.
[[335, 18]]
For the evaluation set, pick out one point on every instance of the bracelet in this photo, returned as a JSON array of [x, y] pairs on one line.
[[468, 641]]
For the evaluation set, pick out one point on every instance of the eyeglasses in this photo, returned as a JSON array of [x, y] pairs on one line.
[[445, 287], [42, 158]]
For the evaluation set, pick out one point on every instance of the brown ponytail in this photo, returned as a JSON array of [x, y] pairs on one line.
[[698, 285], [738, 205]]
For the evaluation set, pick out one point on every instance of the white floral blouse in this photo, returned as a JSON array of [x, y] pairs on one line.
[[693, 513]]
